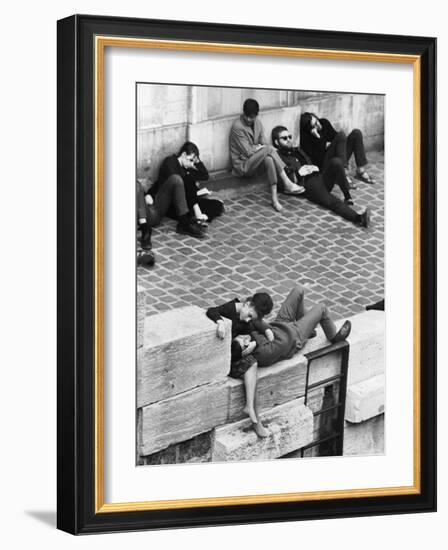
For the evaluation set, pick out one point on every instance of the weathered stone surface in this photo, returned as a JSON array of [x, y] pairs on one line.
[[182, 417], [277, 384], [196, 449], [181, 351], [365, 438], [141, 314], [367, 351], [290, 427], [365, 399]]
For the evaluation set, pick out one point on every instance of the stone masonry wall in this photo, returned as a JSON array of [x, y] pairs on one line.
[[170, 115], [189, 410]]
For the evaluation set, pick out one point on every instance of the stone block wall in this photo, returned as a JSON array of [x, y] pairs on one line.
[[189, 410], [170, 115]]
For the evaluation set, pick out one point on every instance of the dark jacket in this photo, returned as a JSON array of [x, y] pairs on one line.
[[170, 166], [228, 310], [315, 147]]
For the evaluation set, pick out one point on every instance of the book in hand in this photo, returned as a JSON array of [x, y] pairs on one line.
[[203, 192]]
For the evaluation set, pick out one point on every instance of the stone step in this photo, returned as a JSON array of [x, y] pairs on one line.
[[365, 438], [365, 399], [180, 351], [290, 427]]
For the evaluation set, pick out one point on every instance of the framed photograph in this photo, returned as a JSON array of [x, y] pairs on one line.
[[246, 274]]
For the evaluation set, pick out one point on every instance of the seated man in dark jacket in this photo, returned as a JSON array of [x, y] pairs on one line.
[[169, 191], [292, 328], [318, 185]]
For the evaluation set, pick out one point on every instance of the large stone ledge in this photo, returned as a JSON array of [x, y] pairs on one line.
[[181, 351], [196, 399], [182, 417], [365, 399], [290, 427]]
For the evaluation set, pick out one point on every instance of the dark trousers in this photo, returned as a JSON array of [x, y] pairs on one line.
[[317, 192], [171, 192], [334, 174], [304, 321], [343, 147]]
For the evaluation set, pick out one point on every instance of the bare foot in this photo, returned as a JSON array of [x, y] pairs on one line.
[[251, 414], [260, 430], [277, 206]]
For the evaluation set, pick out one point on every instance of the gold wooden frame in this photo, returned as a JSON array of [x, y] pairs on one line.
[[101, 42]]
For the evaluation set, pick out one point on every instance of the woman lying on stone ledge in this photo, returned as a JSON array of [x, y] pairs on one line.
[[292, 327], [246, 317]]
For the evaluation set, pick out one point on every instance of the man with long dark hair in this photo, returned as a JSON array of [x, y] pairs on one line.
[[321, 142]]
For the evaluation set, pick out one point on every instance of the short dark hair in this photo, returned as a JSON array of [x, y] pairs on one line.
[[276, 132], [189, 148], [305, 121], [262, 303], [251, 107]]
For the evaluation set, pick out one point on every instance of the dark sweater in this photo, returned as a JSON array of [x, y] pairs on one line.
[[283, 347], [228, 310], [170, 166], [315, 147]]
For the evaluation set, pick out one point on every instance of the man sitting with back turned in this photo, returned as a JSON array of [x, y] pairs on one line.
[[249, 150]]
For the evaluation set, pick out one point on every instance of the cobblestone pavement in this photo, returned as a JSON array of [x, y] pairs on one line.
[[252, 248]]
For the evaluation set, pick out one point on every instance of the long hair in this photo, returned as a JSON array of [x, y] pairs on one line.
[[305, 122]]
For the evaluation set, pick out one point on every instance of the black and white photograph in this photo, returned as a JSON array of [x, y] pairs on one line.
[[260, 274]]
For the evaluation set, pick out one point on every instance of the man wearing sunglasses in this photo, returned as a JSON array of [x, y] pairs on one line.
[[318, 186]]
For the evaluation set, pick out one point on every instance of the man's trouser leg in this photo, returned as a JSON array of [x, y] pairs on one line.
[[171, 192], [317, 192], [338, 149], [355, 143], [305, 326], [333, 173], [141, 203], [293, 307]]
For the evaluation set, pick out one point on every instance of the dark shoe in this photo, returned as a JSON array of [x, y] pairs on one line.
[[364, 177], [365, 218], [343, 333], [349, 202], [145, 240], [191, 229], [378, 306], [145, 258], [313, 334]]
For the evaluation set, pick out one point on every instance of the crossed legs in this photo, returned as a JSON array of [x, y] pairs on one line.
[[293, 310]]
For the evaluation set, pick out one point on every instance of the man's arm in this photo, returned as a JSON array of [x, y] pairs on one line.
[[243, 142], [262, 139], [199, 172]]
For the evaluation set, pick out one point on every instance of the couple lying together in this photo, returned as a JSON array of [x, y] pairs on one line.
[[256, 343]]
